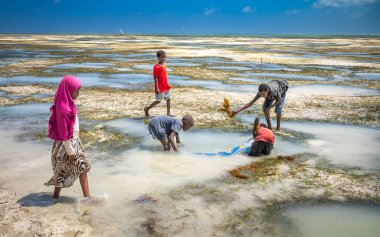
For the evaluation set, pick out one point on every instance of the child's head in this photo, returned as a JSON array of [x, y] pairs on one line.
[[263, 125], [187, 122], [71, 84], [161, 56], [263, 90]]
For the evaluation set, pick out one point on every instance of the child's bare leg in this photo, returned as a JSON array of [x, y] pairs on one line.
[[57, 190], [146, 109], [84, 184], [267, 117], [177, 138], [168, 107], [278, 123]]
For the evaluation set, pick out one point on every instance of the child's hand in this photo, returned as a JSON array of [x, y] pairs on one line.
[[233, 113]]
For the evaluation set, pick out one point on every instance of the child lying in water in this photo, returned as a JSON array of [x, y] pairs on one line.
[[166, 129], [263, 139]]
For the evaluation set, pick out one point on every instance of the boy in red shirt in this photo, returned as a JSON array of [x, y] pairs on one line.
[[161, 85], [263, 139]]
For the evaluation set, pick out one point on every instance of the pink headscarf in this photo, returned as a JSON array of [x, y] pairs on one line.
[[63, 111]]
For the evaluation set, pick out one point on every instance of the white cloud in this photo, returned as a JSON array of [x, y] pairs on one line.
[[341, 3], [209, 11], [56, 1], [292, 12], [247, 9]]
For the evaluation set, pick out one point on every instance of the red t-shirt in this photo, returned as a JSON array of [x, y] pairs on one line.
[[265, 135], [159, 71]]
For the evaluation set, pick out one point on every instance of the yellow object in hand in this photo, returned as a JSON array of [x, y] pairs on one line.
[[225, 106]]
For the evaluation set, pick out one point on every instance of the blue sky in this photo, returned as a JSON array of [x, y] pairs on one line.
[[191, 16]]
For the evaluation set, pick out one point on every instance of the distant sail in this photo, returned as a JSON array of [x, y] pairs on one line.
[[121, 32]]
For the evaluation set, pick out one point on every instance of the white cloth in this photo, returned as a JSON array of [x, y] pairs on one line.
[[67, 144]]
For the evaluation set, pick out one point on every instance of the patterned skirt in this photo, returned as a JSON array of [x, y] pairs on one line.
[[66, 171]]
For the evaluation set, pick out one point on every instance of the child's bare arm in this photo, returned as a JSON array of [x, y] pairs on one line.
[[177, 138], [247, 105], [156, 85], [172, 142]]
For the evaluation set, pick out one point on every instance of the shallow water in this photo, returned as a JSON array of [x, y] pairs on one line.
[[121, 177], [81, 65], [148, 67], [256, 80], [231, 68], [333, 90], [183, 64], [333, 221], [368, 76], [341, 144], [288, 76]]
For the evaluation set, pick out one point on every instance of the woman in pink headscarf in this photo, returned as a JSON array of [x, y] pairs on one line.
[[68, 159]]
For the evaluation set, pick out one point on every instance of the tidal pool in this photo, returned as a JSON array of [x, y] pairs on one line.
[[288, 76], [81, 65], [333, 90], [148, 67], [333, 220], [368, 75], [231, 68], [341, 144]]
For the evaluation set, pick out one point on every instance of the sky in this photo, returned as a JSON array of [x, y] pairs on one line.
[[190, 16]]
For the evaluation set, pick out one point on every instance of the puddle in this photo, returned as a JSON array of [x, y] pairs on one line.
[[81, 65], [26, 109], [42, 95], [333, 90], [150, 56], [267, 66], [118, 57], [342, 144], [249, 79], [148, 67], [231, 68], [125, 69], [212, 140], [183, 64], [368, 76], [288, 76], [333, 220]]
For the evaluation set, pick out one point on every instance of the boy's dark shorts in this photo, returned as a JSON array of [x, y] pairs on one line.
[[278, 108], [260, 148]]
